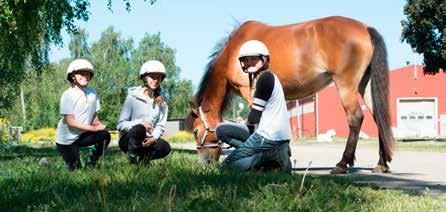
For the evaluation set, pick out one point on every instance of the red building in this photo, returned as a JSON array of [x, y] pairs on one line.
[[417, 108]]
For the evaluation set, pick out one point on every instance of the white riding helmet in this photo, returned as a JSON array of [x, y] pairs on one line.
[[253, 48], [79, 65], [152, 66]]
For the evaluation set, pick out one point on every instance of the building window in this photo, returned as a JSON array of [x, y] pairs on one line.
[[403, 117], [420, 117], [428, 117], [412, 117]]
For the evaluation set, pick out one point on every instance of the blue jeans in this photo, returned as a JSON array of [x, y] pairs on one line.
[[233, 134], [255, 151]]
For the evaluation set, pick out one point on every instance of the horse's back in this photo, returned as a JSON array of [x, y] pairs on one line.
[[305, 56]]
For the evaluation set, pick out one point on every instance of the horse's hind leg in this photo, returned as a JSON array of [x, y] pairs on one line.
[[366, 93], [350, 102]]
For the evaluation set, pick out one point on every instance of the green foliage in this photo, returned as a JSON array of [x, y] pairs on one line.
[[179, 92], [127, 4], [110, 56], [116, 64], [4, 134], [27, 28], [424, 29], [178, 183], [78, 45]]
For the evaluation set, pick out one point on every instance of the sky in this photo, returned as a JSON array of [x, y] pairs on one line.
[[193, 28]]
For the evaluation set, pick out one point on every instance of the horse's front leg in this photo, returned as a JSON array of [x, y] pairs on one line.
[[350, 102]]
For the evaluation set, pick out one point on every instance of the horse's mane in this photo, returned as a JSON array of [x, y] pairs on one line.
[[218, 48]]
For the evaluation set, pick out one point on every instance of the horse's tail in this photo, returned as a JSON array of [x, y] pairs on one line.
[[379, 74]]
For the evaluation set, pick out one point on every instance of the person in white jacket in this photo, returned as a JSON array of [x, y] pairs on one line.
[[144, 116]]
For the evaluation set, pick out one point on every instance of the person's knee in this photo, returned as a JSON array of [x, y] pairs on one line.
[[165, 148], [221, 131], [105, 135], [138, 132]]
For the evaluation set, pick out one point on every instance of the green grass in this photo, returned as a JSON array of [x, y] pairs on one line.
[[177, 183]]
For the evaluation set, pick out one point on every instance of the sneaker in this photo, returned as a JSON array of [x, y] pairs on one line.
[[90, 161], [144, 161], [132, 159], [277, 159], [284, 157]]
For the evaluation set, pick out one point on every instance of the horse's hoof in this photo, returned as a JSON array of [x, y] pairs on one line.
[[381, 169], [338, 170]]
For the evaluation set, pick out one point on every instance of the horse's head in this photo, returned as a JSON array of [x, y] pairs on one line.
[[208, 145]]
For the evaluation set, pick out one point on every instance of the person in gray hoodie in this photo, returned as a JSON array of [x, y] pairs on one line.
[[143, 118]]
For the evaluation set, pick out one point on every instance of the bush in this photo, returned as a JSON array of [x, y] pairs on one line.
[[181, 137], [4, 134], [44, 134]]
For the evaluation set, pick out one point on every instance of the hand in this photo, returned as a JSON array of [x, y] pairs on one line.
[[99, 127], [148, 141], [96, 122], [148, 127]]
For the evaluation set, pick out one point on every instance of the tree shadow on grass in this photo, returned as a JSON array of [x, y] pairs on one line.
[[22, 151], [121, 186]]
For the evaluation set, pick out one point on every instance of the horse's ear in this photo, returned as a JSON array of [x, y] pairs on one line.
[[194, 112]]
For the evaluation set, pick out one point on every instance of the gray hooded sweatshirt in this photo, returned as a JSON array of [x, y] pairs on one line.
[[139, 108]]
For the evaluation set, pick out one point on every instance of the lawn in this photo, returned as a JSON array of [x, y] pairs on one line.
[[177, 183]]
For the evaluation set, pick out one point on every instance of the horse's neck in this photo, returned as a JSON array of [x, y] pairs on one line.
[[213, 101]]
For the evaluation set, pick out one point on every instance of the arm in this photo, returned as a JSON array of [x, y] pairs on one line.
[[71, 122], [67, 111], [264, 90], [124, 122]]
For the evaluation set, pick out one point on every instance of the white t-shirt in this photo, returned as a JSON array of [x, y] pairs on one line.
[[275, 123], [82, 104], [269, 109]]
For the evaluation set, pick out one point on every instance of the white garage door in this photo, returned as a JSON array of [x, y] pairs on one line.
[[417, 118]]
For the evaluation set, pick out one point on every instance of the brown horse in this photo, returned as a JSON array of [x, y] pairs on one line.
[[306, 57]]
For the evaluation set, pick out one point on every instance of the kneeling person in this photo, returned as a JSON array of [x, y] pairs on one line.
[[267, 131], [80, 125], [144, 116]]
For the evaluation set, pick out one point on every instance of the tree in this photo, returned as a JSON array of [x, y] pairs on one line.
[[110, 56], [424, 29], [27, 29], [179, 102], [78, 45], [152, 48]]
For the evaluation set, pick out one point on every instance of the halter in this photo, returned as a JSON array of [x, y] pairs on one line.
[[208, 130]]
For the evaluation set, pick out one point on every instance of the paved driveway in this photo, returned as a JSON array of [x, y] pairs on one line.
[[411, 171]]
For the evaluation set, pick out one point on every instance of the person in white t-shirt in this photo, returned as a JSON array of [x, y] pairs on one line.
[[80, 125], [263, 142]]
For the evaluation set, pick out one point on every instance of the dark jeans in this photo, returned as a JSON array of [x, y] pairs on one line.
[[253, 151], [71, 155], [131, 143]]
